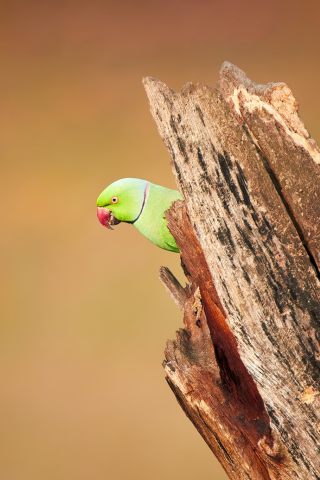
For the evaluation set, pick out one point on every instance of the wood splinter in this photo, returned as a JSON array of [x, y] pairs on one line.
[[173, 287]]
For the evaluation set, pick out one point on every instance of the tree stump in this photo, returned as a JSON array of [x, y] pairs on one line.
[[246, 368]]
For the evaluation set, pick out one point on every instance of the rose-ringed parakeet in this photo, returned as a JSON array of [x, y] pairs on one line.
[[141, 203]]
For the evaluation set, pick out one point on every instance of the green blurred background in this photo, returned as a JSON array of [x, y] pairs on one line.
[[84, 317]]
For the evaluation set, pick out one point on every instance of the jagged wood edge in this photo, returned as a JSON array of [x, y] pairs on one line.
[[241, 186], [270, 114], [218, 394], [173, 287]]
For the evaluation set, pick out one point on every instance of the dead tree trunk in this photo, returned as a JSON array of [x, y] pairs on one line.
[[246, 368]]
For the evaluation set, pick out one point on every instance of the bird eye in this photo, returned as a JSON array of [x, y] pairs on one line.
[[114, 199]]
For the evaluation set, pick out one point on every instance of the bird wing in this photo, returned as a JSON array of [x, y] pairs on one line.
[[167, 237]]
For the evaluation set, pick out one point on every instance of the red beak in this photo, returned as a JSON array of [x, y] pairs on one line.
[[106, 217]]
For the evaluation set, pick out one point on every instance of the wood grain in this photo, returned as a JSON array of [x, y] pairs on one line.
[[270, 114], [260, 286]]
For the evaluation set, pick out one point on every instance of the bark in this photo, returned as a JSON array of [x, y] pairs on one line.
[[247, 375]]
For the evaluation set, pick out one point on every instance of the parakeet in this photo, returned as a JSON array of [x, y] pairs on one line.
[[141, 203]]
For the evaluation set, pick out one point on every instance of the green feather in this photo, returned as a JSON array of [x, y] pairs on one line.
[[152, 223], [143, 204], [130, 192]]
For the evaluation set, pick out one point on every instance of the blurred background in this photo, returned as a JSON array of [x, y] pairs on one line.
[[84, 318]]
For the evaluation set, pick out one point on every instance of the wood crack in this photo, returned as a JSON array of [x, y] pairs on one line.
[[248, 232], [286, 205]]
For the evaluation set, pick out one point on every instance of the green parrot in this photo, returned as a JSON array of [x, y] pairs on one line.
[[141, 203]]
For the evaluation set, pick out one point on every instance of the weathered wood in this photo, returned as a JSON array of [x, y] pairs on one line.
[[258, 282], [173, 287], [209, 379], [270, 114]]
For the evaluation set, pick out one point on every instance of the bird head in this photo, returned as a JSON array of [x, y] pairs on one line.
[[122, 201]]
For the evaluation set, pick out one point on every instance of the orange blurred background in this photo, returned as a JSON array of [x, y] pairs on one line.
[[84, 317]]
